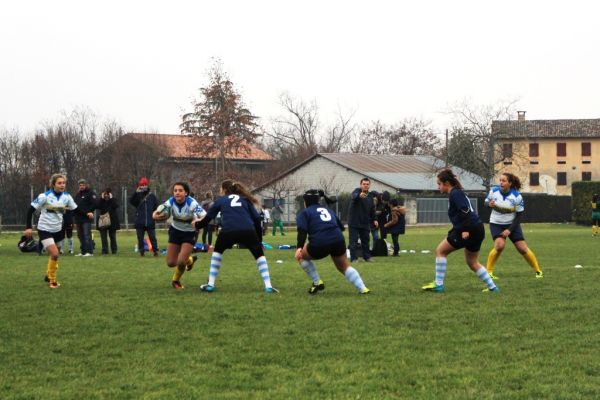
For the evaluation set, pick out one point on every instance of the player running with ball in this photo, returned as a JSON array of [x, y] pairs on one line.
[[183, 209], [507, 207]]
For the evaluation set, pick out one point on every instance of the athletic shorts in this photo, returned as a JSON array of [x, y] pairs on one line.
[[49, 238], [179, 237], [515, 235], [321, 251], [472, 244], [226, 240]]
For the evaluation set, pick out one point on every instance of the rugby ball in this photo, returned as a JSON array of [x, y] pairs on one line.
[[164, 210]]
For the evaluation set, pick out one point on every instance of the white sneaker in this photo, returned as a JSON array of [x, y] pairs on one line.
[[78, 255], [88, 255]]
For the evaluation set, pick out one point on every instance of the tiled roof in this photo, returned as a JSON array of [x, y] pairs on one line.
[[557, 128], [185, 146]]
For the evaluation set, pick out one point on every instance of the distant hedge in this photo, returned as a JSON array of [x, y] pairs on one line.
[[582, 199]]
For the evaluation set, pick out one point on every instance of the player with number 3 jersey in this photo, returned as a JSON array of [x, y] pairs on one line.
[[324, 231], [240, 224]]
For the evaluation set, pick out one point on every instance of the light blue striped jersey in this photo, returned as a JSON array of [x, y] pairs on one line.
[[507, 205], [183, 214], [52, 205]]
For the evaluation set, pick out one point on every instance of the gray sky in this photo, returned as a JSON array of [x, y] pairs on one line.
[[142, 62]]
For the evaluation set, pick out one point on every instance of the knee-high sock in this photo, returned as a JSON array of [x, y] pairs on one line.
[[263, 269], [52, 267], [532, 260], [215, 267], [441, 263], [311, 270], [70, 243], [485, 277], [491, 261], [354, 278], [189, 261], [179, 270], [594, 229]]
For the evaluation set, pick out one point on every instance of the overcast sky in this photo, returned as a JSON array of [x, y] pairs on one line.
[[142, 62]]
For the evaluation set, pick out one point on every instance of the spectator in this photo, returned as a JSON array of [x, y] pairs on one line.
[[397, 224], [361, 215], [108, 205], [207, 231], [277, 214], [145, 203], [266, 216], [87, 201]]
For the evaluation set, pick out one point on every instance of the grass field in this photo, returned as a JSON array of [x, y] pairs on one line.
[[117, 330]]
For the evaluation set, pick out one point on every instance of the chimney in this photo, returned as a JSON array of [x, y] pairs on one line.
[[521, 115]]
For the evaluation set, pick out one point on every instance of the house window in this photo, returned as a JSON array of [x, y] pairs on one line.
[[561, 149], [586, 176], [534, 150], [586, 149], [561, 178], [507, 150], [534, 179]]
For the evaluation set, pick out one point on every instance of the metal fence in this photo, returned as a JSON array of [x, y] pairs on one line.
[[435, 210]]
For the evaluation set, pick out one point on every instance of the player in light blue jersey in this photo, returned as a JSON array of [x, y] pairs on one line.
[[52, 205], [507, 207], [183, 209], [324, 231], [241, 224]]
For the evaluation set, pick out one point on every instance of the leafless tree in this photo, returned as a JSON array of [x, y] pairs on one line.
[[472, 145]]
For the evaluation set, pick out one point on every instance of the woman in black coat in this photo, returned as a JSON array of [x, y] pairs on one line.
[[108, 205]]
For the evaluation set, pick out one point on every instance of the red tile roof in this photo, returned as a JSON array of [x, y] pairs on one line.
[[185, 146]]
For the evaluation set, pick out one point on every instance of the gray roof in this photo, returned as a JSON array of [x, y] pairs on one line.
[[557, 128], [409, 173], [402, 172]]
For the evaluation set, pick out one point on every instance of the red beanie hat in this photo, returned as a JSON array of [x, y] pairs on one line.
[[143, 181]]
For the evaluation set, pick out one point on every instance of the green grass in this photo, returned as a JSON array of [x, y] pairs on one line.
[[117, 330]]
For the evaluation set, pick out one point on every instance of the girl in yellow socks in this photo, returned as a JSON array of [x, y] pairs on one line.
[[183, 209], [52, 205], [507, 207], [595, 215]]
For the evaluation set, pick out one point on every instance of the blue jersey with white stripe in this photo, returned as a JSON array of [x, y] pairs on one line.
[[237, 213], [459, 208], [321, 223]]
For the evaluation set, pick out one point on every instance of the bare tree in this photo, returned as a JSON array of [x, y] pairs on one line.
[[472, 145], [411, 136], [339, 136]]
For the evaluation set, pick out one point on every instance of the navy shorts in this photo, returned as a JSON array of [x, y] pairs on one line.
[[334, 249], [56, 236], [248, 239], [472, 244], [179, 237], [515, 235]]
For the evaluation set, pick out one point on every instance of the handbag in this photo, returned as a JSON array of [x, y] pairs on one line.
[[104, 221]]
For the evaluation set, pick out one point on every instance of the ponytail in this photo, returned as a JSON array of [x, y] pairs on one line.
[[447, 176]]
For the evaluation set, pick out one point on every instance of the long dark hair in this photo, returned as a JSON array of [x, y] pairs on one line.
[[229, 186], [184, 185], [447, 176], [514, 180]]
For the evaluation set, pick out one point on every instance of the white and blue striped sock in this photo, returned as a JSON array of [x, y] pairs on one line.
[[215, 267], [485, 277], [441, 263], [311, 270], [263, 269], [354, 278]]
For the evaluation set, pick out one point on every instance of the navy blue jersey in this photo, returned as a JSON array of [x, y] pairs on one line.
[[460, 211], [321, 224], [237, 213]]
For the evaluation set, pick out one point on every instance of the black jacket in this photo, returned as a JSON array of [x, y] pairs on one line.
[[145, 203], [109, 206], [361, 213], [87, 202]]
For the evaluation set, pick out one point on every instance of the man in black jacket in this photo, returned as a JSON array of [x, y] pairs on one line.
[[86, 200], [145, 203], [361, 215]]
